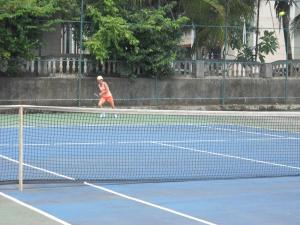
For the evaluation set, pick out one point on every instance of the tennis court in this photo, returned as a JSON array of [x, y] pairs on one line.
[[152, 158]]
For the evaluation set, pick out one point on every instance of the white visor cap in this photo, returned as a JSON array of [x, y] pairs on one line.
[[99, 78]]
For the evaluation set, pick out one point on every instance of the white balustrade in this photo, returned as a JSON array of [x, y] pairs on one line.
[[196, 68]]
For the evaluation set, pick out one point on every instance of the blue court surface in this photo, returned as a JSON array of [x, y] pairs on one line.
[[177, 174], [260, 201]]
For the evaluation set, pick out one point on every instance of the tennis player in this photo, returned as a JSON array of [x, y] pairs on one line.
[[105, 94]]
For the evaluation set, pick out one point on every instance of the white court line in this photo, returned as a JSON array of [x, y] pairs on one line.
[[9, 145], [208, 140], [37, 168], [150, 142], [246, 132], [65, 143], [55, 144], [150, 204], [117, 193], [34, 209], [213, 126], [228, 156]]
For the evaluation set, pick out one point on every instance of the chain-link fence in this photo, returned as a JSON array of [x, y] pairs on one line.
[[244, 61]]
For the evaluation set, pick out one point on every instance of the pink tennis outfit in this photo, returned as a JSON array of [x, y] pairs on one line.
[[105, 89]]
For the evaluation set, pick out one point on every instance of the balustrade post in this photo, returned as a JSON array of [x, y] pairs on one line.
[[32, 66], [234, 69], [44, 66], [49, 66], [175, 66], [68, 65], [54, 66], [60, 65], [297, 69], [186, 70], [267, 70], [39, 65], [249, 70], [27, 66], [85, 66], [238, 67], [242, 70], [200, 68], [74, 65], [114, 67]]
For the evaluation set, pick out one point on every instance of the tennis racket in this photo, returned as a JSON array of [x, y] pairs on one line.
[[96, 94]]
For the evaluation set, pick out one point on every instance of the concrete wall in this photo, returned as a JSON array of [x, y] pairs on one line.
[[180, 91]]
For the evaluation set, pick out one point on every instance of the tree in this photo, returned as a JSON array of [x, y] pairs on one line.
[[147, 37], [268, 44], [111, 32], [159, 37], [284, 19], [212, 20], [295, 26], [21, 25]]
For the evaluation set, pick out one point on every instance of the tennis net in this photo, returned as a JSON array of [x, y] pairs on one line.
[[53, 144]]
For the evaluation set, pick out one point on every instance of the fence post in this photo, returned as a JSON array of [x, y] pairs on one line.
[[287, 73], [21, 120]]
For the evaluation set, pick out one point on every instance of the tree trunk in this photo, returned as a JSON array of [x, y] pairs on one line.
[[287, 36], [257, 29]]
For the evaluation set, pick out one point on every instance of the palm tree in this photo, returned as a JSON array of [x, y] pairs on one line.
[[295, 25], [257, 28], [211, 18], [226, 17], [284, 19]]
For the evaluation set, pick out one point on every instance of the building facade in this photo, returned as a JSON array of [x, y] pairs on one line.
[[269, 21]]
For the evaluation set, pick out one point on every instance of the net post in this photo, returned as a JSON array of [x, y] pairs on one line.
[[21, 118]]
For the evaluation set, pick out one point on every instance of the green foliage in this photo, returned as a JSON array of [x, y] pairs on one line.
[[295, 25], [213, 18], [245, 53], [158, 36], [268, 45], [147, 37], [111, 32], [284, 21], [21, 25]]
